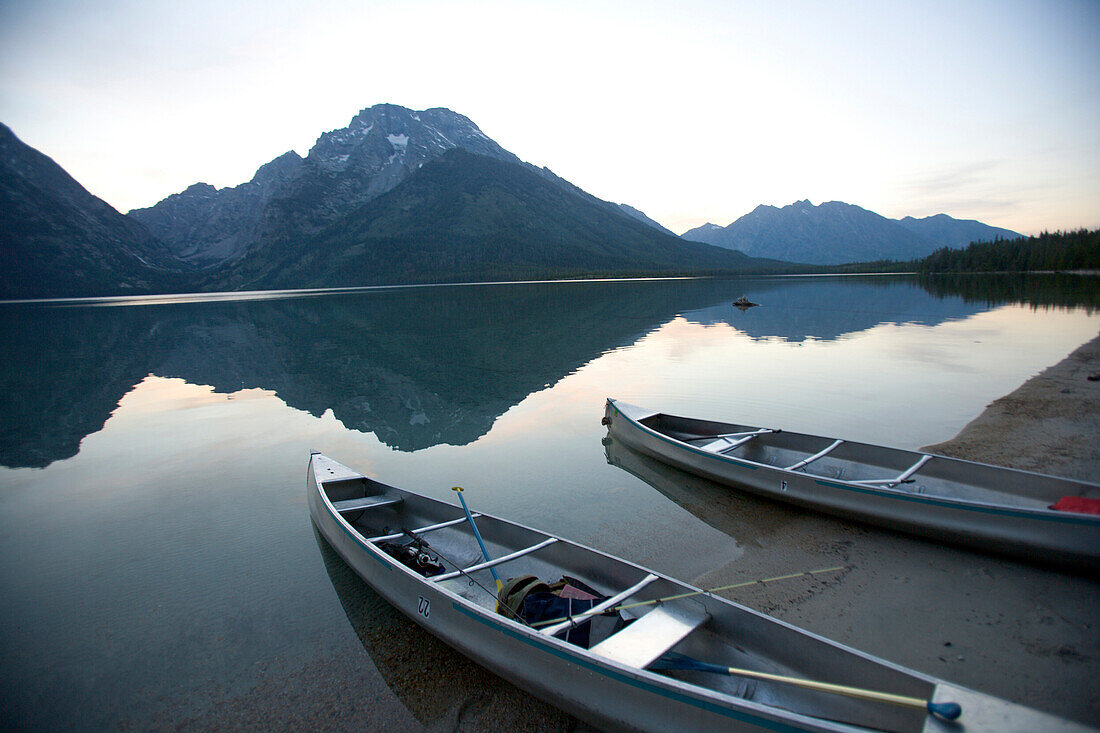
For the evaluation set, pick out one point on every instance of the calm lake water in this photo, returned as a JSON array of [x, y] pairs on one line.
[[160, 569]]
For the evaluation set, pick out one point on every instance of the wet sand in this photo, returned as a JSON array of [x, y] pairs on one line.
[[1019, 631]]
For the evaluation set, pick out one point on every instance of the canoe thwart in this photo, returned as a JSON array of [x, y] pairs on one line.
[[498, 561], [648, 638], [820, 454], [420, 530], [902, 478], [914, 468], [599, 608], [367, 502]]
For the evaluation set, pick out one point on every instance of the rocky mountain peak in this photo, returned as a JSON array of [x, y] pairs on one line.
[[381, 147], [198, 189], [388, 136], [279, 169]]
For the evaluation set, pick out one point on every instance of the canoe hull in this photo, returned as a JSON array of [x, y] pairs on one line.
[[1061, 538], [605, 695]]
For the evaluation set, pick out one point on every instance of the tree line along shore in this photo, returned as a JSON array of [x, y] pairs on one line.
[[1071, 251]]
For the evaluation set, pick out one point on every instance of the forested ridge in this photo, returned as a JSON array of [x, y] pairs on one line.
[[1050, 251]]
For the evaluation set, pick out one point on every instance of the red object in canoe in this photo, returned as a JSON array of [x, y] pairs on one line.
[[1079, 504]]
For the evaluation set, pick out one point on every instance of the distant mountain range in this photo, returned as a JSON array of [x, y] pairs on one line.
[[294, 196], [400, 196], [462, 217], [836, 233]]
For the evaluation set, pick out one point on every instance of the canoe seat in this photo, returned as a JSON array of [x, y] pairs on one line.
[[727, 443], [366, 502], [647, 639]]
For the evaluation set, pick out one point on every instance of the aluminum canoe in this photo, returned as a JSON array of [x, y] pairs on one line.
[[612, 684], [992, 508]]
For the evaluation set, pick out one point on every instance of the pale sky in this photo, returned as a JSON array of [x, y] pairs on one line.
[[689, 110]]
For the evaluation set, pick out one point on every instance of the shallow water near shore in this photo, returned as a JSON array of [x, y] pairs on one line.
[[159, 564]]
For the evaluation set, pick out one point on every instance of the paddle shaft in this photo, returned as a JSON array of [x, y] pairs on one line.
[[678, 596], [947, 710], [480, 542], [913, 702]]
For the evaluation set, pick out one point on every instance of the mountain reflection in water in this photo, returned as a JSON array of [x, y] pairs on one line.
[[417, 366]]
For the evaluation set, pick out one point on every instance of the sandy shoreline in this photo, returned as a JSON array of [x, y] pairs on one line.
[[1018, 631], [1051, 424]]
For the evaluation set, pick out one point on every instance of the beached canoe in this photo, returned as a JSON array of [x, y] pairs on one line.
[[1020, 513], [428, 558]]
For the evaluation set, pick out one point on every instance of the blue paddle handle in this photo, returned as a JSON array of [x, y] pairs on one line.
[[480, 542], [946, 710]]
